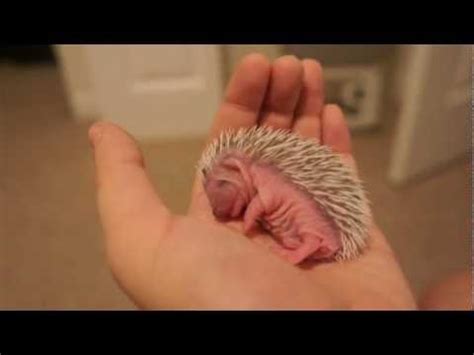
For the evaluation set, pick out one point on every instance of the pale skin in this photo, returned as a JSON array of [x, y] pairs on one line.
[[166, 261]]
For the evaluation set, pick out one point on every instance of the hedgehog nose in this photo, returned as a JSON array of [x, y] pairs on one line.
[[220, 213]]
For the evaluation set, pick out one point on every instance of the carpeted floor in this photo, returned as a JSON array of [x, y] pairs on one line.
[[50, 238]]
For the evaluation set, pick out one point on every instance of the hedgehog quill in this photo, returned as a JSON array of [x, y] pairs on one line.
[[296, 189]]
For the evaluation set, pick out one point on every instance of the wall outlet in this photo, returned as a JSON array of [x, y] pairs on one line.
[[357, 90]]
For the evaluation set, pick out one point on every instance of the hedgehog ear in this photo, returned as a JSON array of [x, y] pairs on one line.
[[234, 164], [237, 164]]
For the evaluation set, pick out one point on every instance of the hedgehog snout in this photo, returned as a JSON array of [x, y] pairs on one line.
[[225, 198]]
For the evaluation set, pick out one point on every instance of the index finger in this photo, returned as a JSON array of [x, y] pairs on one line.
[[244, 95]]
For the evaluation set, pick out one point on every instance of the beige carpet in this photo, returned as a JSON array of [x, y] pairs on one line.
[[50, 238]]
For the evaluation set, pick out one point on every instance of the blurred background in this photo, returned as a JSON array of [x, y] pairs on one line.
[[408, 107]]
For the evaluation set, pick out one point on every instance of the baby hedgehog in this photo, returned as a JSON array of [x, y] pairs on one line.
[[296, 189]]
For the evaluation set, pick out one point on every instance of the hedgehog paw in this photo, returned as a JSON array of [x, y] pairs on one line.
[[296, 256]]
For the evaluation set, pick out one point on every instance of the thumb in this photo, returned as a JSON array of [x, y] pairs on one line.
[[133, 216]]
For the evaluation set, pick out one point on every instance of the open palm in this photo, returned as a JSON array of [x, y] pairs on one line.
[[168, 261]]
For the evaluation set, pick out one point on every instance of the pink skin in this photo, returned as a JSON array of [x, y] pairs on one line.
[[237, 186]]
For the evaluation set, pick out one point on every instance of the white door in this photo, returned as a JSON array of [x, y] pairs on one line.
[[156, 91], [433, 127]]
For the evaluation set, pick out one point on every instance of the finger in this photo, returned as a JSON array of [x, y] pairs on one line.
[[335, 132], [283, 93], [309, 108], [244, 94], [132, 214]]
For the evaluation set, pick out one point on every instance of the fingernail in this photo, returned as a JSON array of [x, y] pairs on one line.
[[289, 56], [95, 133]]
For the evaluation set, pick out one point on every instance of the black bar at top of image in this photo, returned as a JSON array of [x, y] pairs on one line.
[[375, 36], [338, 332]]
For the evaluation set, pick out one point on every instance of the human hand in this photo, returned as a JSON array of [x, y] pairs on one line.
[[163, 260]]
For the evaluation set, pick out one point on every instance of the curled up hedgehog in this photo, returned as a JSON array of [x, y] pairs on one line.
[[296, 189]]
